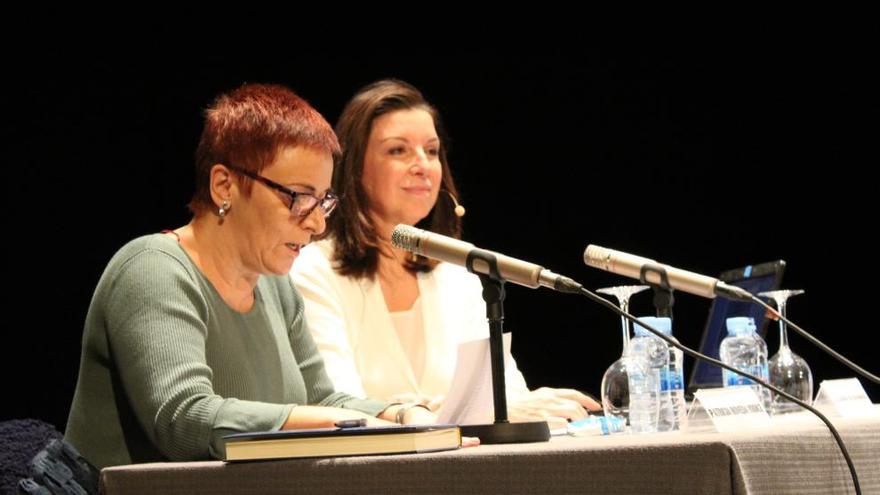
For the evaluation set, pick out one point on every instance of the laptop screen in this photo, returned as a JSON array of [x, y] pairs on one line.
[[755, 279]]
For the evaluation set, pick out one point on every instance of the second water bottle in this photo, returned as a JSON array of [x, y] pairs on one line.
[[655, 380], [673, 410], [745, 350]]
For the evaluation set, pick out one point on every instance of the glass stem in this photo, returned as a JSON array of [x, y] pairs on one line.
[[624, 324], [783, 330]]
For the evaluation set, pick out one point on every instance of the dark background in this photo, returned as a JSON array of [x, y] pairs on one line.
[[701, 159]]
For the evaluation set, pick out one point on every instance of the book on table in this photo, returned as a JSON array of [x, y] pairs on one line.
[[326, 442]]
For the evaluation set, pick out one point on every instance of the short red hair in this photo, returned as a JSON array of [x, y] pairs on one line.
[[248, 126]]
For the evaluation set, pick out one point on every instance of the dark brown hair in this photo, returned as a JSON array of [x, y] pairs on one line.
[[357, 243], [248, 126]]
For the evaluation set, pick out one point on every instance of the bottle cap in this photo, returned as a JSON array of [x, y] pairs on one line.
[[741, 325]]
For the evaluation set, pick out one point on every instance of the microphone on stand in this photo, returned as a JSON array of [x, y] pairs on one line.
[[461, 253], [648, 270]]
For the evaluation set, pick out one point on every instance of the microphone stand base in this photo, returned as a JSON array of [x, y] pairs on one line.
[[535, 431]]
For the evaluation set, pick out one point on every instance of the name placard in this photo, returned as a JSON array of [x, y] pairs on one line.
[[845, 397], [731, 408]]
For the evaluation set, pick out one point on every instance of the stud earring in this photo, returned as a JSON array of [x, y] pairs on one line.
[[224, 207]]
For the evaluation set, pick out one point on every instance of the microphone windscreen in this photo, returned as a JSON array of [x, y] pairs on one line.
[[596, 256], [405, 237]]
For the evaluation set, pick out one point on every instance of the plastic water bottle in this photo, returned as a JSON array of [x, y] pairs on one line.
[[646, 359], [596, 425], [673, 410], [745, 350]]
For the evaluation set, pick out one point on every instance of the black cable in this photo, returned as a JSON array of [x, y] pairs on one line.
[[690, 352], [853, 366]]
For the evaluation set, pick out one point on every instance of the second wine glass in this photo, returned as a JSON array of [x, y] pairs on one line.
[[615, 381], [788, 371]]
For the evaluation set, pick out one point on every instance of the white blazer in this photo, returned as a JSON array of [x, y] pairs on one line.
[[352, 327]]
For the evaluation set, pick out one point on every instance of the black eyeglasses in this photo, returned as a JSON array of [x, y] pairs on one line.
[[301, 204]]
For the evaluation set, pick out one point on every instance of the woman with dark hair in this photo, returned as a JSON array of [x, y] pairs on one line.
[[388, 323], [196, 333]]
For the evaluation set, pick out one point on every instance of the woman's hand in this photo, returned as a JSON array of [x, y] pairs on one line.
[[412, 414], [431, 402], [557, 406], [417, 415]]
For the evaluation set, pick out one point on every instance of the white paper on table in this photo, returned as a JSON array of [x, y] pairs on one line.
[[729, 408], [846, 397], [470, 400]]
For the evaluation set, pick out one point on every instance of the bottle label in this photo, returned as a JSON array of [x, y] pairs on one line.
[[671, 379], [732, 379]]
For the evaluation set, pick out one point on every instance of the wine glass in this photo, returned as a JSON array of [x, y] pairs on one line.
[[615, 381], [788, 371]]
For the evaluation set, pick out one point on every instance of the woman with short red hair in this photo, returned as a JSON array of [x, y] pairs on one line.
[[197, 333]]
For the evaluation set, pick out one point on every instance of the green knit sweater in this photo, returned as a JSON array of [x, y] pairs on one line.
[[168, 368]]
